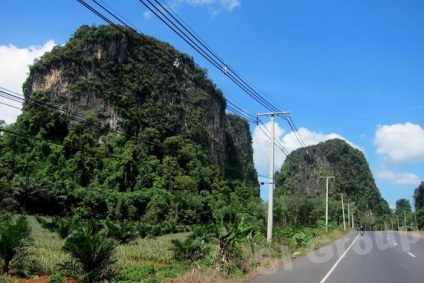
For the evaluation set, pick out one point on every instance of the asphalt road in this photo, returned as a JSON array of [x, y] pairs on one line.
[[376, 257]]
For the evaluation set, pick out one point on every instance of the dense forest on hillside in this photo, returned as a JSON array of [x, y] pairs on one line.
[[109, 130], [301, 185]]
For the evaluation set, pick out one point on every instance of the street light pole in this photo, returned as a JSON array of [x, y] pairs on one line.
[[271, 175]]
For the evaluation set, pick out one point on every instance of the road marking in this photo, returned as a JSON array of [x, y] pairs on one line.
[[337, 262], [395, 244], [411, 254]]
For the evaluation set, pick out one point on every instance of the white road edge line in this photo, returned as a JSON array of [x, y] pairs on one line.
[[411, 254], [337, 262]]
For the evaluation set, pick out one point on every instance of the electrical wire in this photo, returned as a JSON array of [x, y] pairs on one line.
[[75, 117], [191, 39], [179, 26], [171, 19]]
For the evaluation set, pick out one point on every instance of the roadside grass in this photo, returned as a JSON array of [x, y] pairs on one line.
[[147, 250], [151, 259], [46, 248]]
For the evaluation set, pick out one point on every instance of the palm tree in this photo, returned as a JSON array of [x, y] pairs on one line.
[[92, 256], [14, 236]]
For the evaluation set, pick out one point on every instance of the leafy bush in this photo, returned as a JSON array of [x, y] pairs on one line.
[[25, 263], [148, 273], [63, 226], [229, 258], [56, 278], [124, 232], [92, 256], [192, 249]]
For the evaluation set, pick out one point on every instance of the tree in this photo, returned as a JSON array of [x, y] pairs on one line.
[[14, 236], [92, 256], [403, 205], [419, 197]]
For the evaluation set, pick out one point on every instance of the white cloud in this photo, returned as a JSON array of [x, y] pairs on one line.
[[398, 178], [13, 72], [262, 147], [147, 15], [400, 142], [230, 4], [288, 140], [215, 6]]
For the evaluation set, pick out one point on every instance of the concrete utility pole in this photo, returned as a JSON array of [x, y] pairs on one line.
[[415, 215], [326, 201], [348, 215], [397, 218], [271, 174], [344, 222], [404, 219]]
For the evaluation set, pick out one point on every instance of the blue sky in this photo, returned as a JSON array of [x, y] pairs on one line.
[[347, 69]]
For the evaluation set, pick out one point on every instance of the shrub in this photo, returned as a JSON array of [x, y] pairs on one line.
[[192, 249], [124, 232], [56, 278]]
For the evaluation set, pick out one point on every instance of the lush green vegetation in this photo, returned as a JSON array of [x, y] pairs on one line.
[[301, 187], [136, 173], [156, 166], [233, 250], [419, 205], [161, 167], [403, 216]]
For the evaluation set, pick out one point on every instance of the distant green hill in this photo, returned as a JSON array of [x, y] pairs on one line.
[[302, 178]]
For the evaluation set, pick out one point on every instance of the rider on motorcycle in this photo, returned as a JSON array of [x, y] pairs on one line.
[[361, 229]]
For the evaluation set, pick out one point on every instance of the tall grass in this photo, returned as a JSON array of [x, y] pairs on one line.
[[147, 250], [47, 247]]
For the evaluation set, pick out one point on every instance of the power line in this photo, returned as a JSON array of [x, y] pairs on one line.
[[180, 28], [8, 131], [294, 128], [12, 106], [136, 36], [192, 42], [268, 134], [5, 93], [191, 39], [229, 72]]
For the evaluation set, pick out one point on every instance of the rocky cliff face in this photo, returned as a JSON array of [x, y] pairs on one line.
[[239, 149], [128, 82]]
